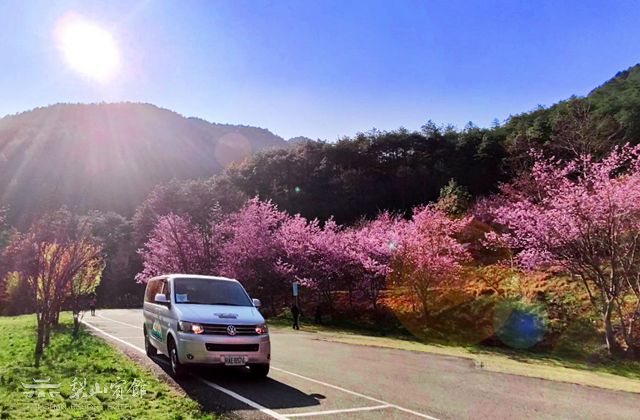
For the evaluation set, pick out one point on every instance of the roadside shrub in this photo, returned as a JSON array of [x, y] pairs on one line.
[[15, 298]]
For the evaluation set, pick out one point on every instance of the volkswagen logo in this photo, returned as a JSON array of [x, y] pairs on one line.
[[231, 330]]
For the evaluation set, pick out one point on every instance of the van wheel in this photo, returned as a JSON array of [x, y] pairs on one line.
[[148, 347], [259, 371], [177, 369]]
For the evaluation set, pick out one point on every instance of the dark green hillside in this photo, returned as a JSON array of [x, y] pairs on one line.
[[620, 98], [109, 156], [608, 115], [367, 173]]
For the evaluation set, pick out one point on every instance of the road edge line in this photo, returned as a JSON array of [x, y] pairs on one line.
[[339, 411]]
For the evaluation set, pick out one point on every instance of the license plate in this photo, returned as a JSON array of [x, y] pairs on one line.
[[234, 360]]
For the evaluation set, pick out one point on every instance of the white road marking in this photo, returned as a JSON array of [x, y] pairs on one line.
[[348, 391], [357, 394], [345, 410], [238, 397]]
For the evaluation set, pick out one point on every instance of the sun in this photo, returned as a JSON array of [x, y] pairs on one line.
[[87, 48]]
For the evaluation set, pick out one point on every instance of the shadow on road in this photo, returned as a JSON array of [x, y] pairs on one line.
[[267, 392]]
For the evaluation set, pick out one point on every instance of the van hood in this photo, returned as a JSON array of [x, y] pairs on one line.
[[219, 314]]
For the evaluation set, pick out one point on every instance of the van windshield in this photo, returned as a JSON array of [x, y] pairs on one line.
[[210, 292]]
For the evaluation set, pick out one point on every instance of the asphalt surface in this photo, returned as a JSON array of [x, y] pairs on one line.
[[315, 378]]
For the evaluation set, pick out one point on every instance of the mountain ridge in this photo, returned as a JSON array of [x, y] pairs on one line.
[[109, 156]]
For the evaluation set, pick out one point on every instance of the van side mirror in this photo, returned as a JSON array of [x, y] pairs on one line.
[[160, 298], [257, 303]]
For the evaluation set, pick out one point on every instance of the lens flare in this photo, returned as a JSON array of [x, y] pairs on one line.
[[519, 326], [87, 48]]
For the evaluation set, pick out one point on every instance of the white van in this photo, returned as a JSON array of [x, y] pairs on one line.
[[204, 320]]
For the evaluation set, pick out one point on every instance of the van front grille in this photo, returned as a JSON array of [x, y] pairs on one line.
[[221, 329]]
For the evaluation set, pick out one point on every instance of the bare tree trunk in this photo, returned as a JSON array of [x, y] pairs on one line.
[[76, 323], [623, 327], [374, 301], [40, 339], [422, 294], [612, 345], [329, 301], [47, 331], [634, 343], [425, 309]]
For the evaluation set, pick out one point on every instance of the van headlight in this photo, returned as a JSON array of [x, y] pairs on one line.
[[262, 329], [191, 327]]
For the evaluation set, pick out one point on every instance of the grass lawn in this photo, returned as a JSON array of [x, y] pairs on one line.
[[96, 381], [609, 374]]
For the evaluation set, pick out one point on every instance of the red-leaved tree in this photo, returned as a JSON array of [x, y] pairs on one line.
[[51, 258]]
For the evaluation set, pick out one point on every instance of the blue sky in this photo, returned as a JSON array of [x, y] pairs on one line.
[[326, 69]]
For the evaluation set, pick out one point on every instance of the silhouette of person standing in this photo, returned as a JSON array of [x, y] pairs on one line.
[[295, 311], [92, 306]]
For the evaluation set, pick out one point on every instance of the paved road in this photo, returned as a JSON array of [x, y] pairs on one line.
[[311, 377]]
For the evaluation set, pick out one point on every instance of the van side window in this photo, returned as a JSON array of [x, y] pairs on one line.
[[147, 293], [165, 289], [153, 287]]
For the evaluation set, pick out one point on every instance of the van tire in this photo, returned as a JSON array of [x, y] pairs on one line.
[[259, 371], [177, 368], [148, 347]]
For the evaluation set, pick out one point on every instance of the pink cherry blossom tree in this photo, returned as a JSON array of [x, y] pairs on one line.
[[253, 249], [429, 255], [315, 256], [582, 216], [370, 246], [176, 245]]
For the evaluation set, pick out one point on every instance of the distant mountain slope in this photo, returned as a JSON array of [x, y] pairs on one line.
[[298, 140], [608, 115], [620, 98], [109, 156]]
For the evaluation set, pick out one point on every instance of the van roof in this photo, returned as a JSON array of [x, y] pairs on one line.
[[200, 276], [196, 276]]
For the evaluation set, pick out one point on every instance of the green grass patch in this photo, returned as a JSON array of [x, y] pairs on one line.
[[96, 381]]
